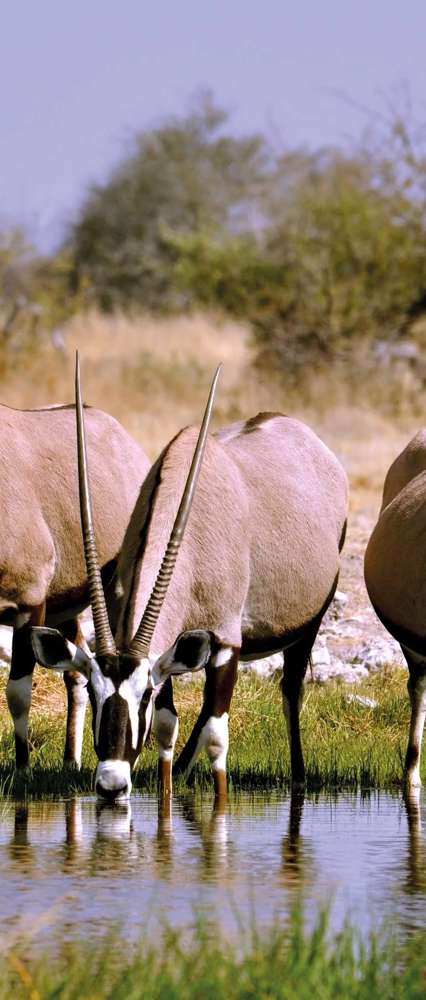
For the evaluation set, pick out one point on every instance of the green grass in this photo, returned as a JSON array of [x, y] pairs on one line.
[[284, 963], [345, 744]]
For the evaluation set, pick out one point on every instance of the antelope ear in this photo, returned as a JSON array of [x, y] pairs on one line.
[[52, 650], [191, 651]]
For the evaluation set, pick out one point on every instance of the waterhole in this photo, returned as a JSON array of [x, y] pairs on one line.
[[70, 868]]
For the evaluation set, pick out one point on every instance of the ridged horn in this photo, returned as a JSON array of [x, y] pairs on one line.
[[104, 640], [141, 641]]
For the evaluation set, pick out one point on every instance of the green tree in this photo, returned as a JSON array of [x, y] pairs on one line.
[[350, 252], [188, 176], [34, 292]]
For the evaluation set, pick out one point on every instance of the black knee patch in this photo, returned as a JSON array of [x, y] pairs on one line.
[[193, 649]]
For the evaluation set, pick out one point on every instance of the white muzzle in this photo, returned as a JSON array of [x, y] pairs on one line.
[[113, 780]]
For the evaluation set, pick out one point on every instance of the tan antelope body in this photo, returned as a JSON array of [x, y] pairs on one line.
[[42, 568], [260, 556], [257, 566], [395, 576], [254, 571]]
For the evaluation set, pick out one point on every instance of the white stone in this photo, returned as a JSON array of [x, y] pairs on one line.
[[360, 672], [264, 668], [320, 655], [340, 597], [360, 699], [320, 676]]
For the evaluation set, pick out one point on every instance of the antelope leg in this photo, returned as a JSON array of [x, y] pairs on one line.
[[77, 698], [211, 728], [19, 685], [417, 693], [165, 727], [296, 660]]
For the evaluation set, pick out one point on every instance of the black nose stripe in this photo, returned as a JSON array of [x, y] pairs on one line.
[[116, 739], [114, 729]]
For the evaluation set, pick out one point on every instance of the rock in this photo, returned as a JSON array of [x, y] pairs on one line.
[[323, 672], [320, 676], [360, 672], [339, 670], [340, 598], [265, 668], [337, 606], [360, 699], [379, 654], [320, 655]]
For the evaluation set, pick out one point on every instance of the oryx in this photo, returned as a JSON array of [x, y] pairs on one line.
[[395, 577], [42, 568], [254, 572]]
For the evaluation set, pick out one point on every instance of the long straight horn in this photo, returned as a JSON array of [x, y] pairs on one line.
[[104, 640], [141, 641]]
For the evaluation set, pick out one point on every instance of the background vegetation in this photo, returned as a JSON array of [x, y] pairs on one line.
[[320, 253]]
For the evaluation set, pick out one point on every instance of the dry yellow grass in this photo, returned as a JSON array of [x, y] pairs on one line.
[[152, 375]]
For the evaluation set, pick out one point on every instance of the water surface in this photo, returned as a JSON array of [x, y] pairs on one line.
[[69, 869]]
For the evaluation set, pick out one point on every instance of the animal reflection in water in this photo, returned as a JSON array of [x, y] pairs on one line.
[[103, 840], [416, 867], [111, 844], [264, 853]]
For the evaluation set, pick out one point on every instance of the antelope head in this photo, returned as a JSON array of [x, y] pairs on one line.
[[123, 683]]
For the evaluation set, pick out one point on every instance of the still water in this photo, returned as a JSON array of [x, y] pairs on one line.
[[68, 868]]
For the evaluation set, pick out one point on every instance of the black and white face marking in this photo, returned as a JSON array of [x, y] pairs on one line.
[[122, 688], [122, 698]]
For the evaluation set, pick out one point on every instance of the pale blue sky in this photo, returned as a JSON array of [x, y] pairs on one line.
[[79, 78]]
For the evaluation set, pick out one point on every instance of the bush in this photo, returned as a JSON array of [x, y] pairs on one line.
[[185, 177], [35, 297], [351, 256]]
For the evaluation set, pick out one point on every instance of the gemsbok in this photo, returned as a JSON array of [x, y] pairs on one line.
[[42, 568], [395, 577], [264, 503]]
